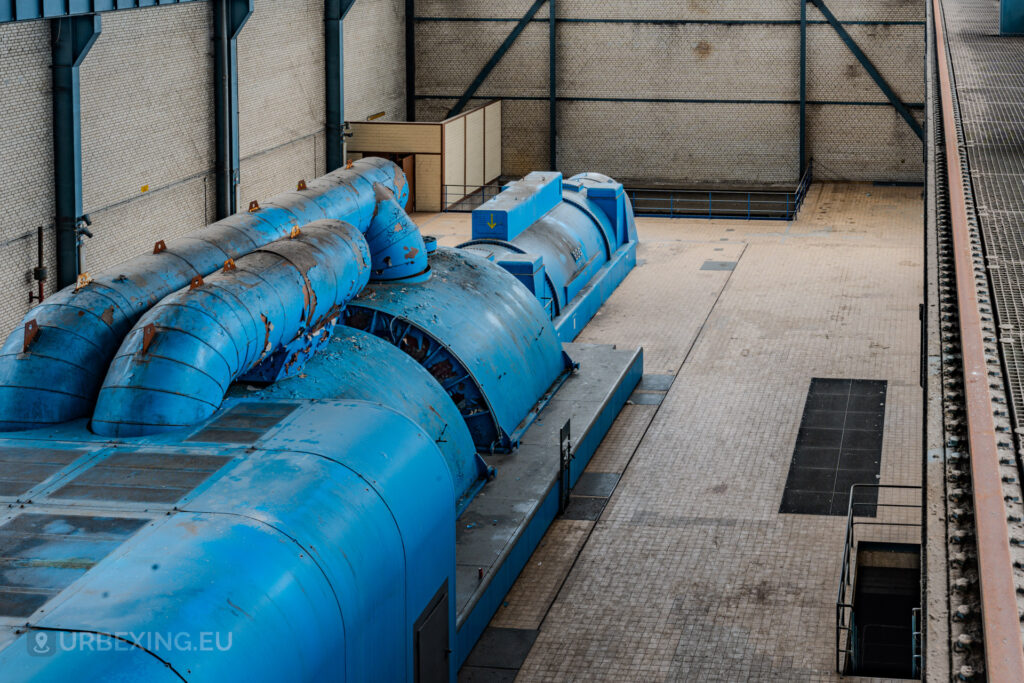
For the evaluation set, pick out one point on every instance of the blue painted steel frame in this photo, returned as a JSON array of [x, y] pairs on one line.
[[882, 84], [71, 39], [334, 68], [229, 17], [495, 58], [803, 86], [1011, 17], [27, 10]]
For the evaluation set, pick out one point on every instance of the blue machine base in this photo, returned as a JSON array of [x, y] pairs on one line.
[[573, 318], [498, 532]]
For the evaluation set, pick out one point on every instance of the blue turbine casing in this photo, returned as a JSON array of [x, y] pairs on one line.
[[314, 552], [570, 243], [483, 337], [358, 365], [275, 306], [80, 329]]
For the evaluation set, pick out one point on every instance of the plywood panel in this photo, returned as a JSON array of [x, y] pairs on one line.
[[474, 151], [401, 138], [428, 182], [492, 142], [455, 159]]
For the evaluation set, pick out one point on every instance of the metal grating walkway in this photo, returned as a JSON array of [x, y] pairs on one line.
[[989, 75]]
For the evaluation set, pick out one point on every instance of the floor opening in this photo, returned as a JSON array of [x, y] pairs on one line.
[[887, 591]]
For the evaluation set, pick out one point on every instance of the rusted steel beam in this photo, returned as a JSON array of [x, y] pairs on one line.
[[1004, 651]]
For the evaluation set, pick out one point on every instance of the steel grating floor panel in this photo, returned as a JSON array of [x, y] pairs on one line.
[[989, 74]]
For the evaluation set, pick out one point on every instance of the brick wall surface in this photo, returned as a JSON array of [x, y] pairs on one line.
[[26, 162], [375, 60], [148, 120], [605, 53]]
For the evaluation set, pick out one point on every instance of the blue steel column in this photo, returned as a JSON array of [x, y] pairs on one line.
[[803, 88], [71, 39], [229, 16], [1011, 17], [410, 60], [334, 56]]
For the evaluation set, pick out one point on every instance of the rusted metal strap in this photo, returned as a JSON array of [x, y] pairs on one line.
[[1004, 651]]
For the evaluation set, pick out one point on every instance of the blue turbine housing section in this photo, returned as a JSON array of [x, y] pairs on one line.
[[570, 243], [483, 337], [308, 556], [55, 375], [358, 365], [274, 308]]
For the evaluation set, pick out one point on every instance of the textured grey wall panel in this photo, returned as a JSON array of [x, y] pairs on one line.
[[679, 143], [691, 10], [687, 61], [147, 106], [453, 58], [375, 60], [833, 73], [280, 74], [281, 168], [863, 143], [753, 142], [130, 228], [26, 162]]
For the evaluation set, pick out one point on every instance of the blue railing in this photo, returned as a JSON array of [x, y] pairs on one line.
[[781, 205]]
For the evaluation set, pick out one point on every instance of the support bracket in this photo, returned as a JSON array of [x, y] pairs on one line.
[[882, 84], [495, 58], [229, 17], [71, 39]]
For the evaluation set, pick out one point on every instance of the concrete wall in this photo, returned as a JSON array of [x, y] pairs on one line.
[[148, 120], [605, 51]]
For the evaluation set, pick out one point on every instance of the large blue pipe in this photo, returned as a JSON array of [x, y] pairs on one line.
[[276, 306], [52, 366]]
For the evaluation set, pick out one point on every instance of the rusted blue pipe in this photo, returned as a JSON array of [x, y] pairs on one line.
[[52, 365], [273, 308]]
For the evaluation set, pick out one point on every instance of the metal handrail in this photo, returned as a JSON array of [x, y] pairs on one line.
[[672, 203], [846, 573], [732, 204]]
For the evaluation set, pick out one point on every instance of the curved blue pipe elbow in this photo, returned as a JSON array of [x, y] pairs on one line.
[[56, 376], [395, 241], [276, 305]]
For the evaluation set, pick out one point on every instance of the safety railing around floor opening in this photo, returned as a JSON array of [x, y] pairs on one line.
[[465, 198], [877, 513], [781, 204]]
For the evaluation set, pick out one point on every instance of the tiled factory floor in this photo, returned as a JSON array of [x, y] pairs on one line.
[[690, 571]]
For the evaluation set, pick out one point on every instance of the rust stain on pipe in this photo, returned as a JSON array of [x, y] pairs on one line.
[[1004, 653]]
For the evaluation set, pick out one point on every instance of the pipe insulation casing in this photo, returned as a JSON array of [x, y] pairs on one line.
[[286, 295], [56, 377]]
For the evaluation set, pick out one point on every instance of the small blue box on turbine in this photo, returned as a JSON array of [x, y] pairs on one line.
[[518, 206]]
